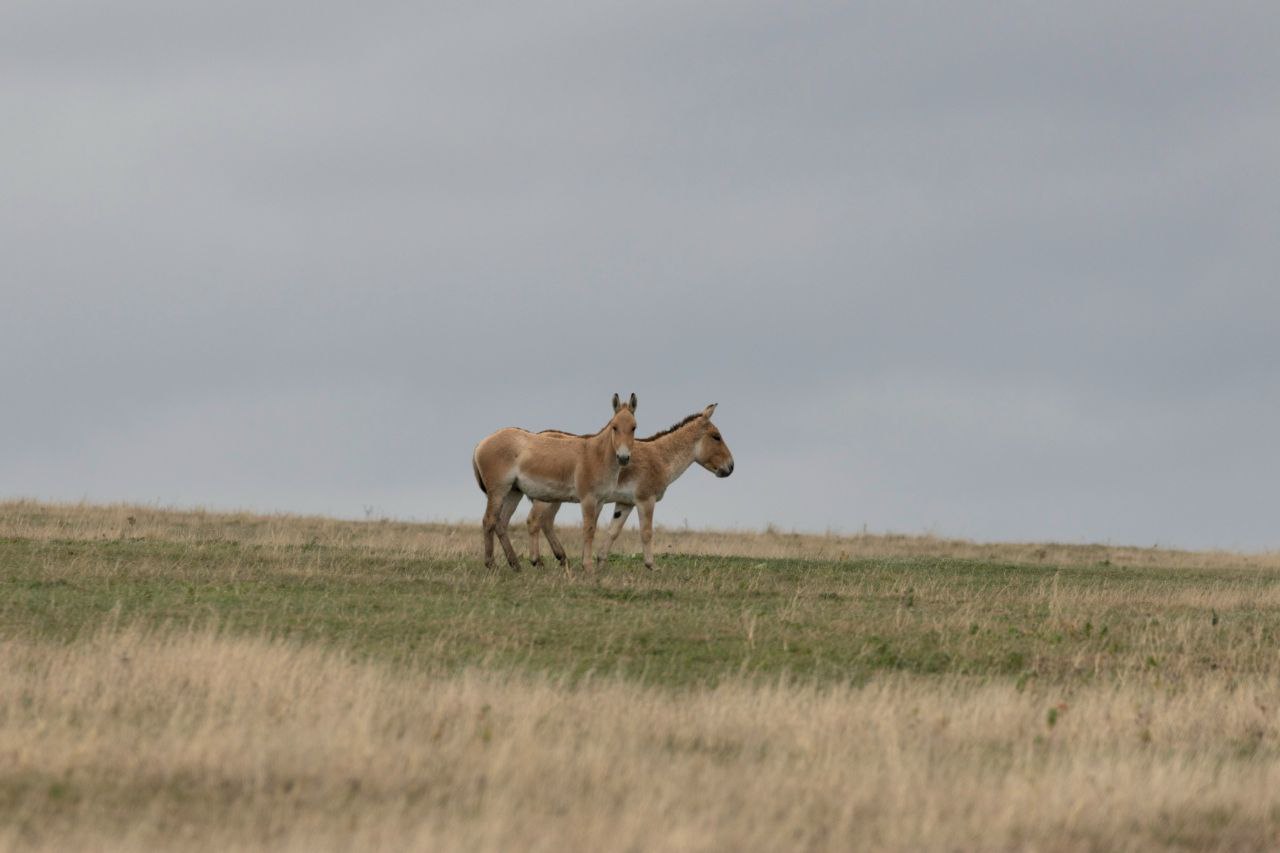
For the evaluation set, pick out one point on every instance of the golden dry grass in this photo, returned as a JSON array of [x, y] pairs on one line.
[[368, 685], [200, 741], [37, 520]]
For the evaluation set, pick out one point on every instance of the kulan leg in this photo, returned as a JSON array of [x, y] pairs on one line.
[[549, 528], [508, 507], [646, 531], [490, 524], [590, 515], [621, 512], [534, 525]]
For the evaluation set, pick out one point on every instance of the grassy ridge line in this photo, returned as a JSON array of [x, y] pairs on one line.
[[37, 520], [198, 740], [697, 621]]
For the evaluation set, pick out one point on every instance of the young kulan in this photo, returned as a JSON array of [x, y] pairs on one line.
[[552, 466]]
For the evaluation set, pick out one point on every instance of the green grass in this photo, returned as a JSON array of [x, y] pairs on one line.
[[694, 621]]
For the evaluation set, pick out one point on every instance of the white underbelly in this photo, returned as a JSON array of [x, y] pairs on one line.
[[545, 490]]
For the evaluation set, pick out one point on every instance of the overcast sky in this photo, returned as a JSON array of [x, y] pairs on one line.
[[992, 271]]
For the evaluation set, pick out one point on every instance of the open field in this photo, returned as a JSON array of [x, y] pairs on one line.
[[213, 681]]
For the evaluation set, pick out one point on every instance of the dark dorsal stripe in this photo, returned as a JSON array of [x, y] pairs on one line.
[[569, 434], [673, 427]]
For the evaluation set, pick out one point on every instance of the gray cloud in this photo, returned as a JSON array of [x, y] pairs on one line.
[[1003, 272]]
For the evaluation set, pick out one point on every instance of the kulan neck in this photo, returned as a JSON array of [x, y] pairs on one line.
[[600, 446], [676, 449]]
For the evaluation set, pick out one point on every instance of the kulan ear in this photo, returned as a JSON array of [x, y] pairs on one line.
[[617, 402], [706, 413], [633, 403]]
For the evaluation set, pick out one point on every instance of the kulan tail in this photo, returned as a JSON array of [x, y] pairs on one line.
[[479, 480]]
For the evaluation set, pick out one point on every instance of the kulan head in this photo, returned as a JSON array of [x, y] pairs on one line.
[[711, 452], [622, 428]]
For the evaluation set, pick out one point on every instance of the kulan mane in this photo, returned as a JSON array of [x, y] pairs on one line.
[[673, 427]]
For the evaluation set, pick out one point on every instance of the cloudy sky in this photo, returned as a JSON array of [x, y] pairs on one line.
[[986, 270]]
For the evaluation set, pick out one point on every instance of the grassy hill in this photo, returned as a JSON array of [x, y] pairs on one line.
[[200, 680]]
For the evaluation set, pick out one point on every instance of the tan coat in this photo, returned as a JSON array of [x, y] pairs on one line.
[[552, 466]]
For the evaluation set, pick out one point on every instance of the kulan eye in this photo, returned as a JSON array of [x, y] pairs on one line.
[[716, 437]]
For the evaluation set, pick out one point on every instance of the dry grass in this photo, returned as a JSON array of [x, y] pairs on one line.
[[196, 740], [36, 520], [369, 685]]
